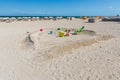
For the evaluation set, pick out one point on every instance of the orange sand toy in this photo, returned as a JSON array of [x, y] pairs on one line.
[[68, 34], [62, 34]]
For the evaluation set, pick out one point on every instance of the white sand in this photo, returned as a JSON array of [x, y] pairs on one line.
[[78, 57]]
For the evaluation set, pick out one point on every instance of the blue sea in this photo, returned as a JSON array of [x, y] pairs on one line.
[[48, 16]]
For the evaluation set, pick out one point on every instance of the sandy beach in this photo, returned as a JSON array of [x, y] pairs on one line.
[[50, 57]]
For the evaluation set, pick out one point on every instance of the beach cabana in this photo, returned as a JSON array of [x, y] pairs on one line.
[[91, 20]]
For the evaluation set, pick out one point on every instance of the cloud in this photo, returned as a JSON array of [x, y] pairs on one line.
[[113, 8]]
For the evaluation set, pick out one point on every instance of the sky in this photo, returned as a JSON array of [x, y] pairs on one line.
[[60, 7]]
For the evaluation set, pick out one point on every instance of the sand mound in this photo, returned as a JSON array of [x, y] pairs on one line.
[[65, 49], [30, 38], [27, 41], [89, 32], [49, 47]]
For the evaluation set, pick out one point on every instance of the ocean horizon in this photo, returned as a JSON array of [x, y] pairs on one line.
[[54, 16]]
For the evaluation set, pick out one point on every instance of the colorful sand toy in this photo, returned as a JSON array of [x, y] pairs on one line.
[[77, 32], [69, 30], [82, 29], [61, 34], [68, 34], [51, 32], [41, 30], [58, 28], [66, 30]]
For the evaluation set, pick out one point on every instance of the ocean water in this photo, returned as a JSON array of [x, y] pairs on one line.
[[47, 16]]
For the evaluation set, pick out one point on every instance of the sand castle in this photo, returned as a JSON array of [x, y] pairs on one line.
[[58, 48]]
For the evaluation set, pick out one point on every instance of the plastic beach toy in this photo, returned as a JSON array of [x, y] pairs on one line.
[[68, 34], [58, 28], [69, 31], [61, 34], [66, 30], [41, 30], [51, 32], [82, 28], [76, 31]]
